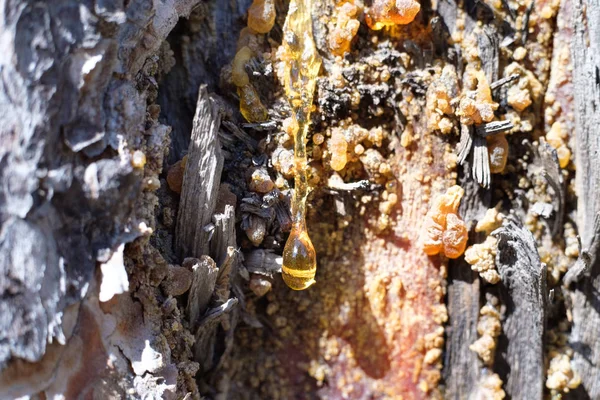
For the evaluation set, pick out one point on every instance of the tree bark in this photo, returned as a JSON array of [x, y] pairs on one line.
[[118, 280]]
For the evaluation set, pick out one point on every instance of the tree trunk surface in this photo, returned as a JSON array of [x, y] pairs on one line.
[[143, 219]]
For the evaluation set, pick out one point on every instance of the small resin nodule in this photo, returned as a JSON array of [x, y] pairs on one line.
[[443, 231], [391, 12], [302, 65]]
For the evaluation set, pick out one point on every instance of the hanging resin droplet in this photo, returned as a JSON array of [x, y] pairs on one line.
[[299, 261]]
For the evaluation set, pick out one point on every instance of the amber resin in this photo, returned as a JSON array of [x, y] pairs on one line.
[[302, 64], [391, 12], [261, 15], [443, 230], [250, 105]]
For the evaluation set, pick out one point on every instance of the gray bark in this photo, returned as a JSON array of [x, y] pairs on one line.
[[462, 366], [585, 301], [524, 280], [74, 81]]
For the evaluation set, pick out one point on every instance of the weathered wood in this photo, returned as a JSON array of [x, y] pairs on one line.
[[204, 348], [585, 51], [226, 269], [240, 134], [206, 334], [466, 143], [262, 261], [462, 367], [524, 278], [586, 77], [201, 180], [224, 234], [481, 162], [491, 128], [500, 82], [203, 284], [587, 256]]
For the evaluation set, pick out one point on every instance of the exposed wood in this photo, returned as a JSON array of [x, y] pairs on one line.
[[585, 50], [201, 180], [524, 277], [224, 234], [206, 337], [203, 284], [462, 367], [262, 262]]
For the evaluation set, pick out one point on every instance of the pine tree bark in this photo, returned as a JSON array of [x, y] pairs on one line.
[[113, 286]]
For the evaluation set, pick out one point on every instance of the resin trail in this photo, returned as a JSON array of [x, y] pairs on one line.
[[302, 64]]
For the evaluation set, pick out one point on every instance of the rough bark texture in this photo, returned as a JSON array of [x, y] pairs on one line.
[[461, 365], [75, 80], [524, 277], [586, 75], [114, 284]]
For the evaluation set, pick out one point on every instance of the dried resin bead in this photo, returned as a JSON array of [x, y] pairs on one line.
[[250, 105], [261, 15], [338, 148], [443, 230], [455, 236], [498, 151], [346, 28], [391, 12]]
